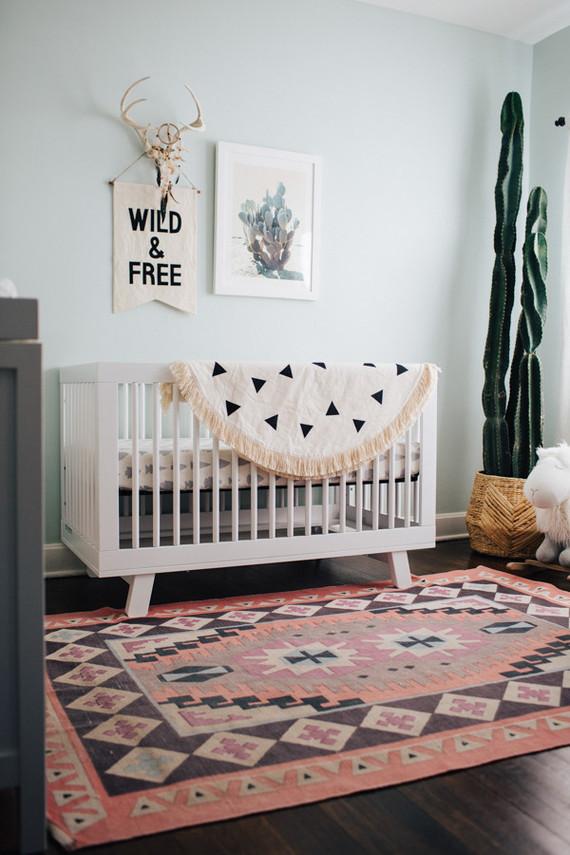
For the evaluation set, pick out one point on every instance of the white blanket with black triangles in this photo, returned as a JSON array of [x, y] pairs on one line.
[[306, 420]]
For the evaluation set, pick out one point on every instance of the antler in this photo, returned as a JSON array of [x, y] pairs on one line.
[[142, 130], [197, 124]]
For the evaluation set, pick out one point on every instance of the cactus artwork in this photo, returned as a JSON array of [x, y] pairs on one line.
[[269, 229], [512, 431]]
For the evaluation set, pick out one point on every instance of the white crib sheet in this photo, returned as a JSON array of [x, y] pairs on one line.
[[145, 457]]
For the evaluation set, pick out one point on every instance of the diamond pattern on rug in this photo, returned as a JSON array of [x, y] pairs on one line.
[[148, 764], [235, 748], [105, 701], [123, 730], [209, 710], [523, 693], [468, 706], [314, 733], [408, 722], [88, 675]]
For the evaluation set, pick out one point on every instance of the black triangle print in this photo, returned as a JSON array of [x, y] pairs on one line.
[[358, 424], [231, 407], [320, 364], [218, 369], [272, 421], [287, 372], [378, 396], [400, 369], [369, 365], [258, 383], [332, 410], [306, 429]]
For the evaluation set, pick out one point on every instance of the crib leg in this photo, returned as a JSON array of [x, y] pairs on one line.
[[138, 599], [399, 569]]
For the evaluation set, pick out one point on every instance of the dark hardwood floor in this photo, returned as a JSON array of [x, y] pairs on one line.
[[518, 806]]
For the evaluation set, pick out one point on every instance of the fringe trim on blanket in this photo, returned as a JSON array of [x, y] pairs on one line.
[[289, 465]]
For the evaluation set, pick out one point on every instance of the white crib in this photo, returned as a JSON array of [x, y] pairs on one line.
[[133, 521]]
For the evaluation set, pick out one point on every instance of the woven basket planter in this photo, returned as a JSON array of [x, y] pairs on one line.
[[500, 520]]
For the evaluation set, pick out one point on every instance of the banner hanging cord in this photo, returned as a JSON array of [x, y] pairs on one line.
[[126, 169]]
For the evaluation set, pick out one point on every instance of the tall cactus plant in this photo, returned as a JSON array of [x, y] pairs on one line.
[[524, 411], [511, 433], [496, 453]]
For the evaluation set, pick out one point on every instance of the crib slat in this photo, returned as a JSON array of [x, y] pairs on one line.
[[142, 411], [407, 478], [78, 404], [235, 496], [253, 501], [155, 464], [64, 440], [342, 502], [417, 486], [71, 472], [290, 507], [359, 499], [375, 493], [196, 479], [124, 393], [91, 444], [391, 486], [81, 457], [272, 500], [77, 478], [215, 490], [135, 525], [325, 506], [308, 506], [175, 466]]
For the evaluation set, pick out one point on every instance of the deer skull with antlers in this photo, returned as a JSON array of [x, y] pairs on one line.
[[162, 143]]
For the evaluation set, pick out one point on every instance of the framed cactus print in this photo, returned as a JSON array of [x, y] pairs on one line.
[[267, 222]]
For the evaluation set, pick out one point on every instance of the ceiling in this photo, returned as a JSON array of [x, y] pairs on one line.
[[527, 21]]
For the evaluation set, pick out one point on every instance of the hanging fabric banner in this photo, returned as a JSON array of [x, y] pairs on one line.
[[154, 254]]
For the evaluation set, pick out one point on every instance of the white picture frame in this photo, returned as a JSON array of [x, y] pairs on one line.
[[282, 258]]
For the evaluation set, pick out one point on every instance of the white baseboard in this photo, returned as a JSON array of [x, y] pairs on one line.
[[450, 526], [60, 561]]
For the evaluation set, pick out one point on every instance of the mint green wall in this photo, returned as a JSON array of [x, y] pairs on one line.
[[549, 144], [404, 112]]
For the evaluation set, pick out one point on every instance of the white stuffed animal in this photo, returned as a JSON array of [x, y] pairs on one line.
[[548, 489], [7, 288]]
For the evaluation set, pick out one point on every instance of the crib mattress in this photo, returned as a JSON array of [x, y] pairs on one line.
[[186, 463]]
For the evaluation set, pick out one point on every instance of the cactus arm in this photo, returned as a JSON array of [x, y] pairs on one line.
[[514, 383], [496, 450], [528, 418], [525, 411]]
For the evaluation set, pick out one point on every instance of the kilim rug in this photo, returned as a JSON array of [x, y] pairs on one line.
[[210, 710]]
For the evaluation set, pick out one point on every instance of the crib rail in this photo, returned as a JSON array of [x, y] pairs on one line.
[[96, 415]]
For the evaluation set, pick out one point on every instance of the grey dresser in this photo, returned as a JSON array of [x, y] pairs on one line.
[[22, 717]]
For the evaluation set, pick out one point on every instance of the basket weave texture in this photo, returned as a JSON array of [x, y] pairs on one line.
[[500, 520]]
